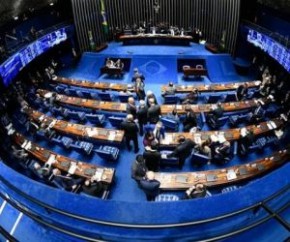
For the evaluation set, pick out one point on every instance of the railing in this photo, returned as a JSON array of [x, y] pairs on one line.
[[285, 41], [253, 208], [39, 34]]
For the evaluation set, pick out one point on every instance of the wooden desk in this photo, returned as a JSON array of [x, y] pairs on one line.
[[220, 177], [165, 109], [228, 107], [87, 103], [64, 163], [94, 85], [113, 71], [171, 139], [192, 71], [156, 39], [78, 130], [213, 87]]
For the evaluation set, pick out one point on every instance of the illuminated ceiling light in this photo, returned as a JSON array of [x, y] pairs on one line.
[[15, 18], [51, 4]]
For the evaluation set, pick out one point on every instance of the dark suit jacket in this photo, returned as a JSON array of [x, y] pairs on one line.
[[152, 160], [94, 189], [150, 187], [183, 150], [131, 110], [130, 128], [190, 119], [142, 115], [153, 113]]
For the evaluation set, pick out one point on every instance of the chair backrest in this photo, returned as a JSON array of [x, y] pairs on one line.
[[105, 96], [116, 121], [230, 97], [171, 99], [107, 152], [212, 98], [220, 122], [169, 123], [199, 159], [124, 97]]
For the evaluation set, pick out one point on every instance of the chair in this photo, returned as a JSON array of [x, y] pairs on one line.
[[199, 159], [124, 97], [108, 152], [77, 115], [234, 120], [83, 146], [171, 99], [168, 161], [201, 120], [170, 124], [212, 98], [60, 89], [230, 97], [104, 96], [66, 142], [94, 95], [166, 198], [116, 121], [218, 123], [98, 119]]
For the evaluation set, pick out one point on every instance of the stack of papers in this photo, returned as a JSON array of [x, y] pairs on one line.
[[98, 174], [28, 146], [91, 132], [231, 175], [51, 160], [72, 168], [197, 138], [112, 136]]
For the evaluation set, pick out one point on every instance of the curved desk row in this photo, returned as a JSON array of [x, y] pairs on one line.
[[165, 109], [171, 139], [219, 177], [94, 85], [64, 163], [78, 130], [213, 87]]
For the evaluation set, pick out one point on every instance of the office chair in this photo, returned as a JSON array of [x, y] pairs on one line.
[[108, 152]]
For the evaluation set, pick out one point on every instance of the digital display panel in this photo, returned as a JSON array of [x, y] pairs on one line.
[[277, 51], [11, 67]]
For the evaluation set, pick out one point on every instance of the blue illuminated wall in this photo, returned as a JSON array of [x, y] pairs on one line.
[[14, 64]]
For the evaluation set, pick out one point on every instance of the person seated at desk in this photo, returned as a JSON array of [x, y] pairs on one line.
[[150, 95], [196, 191], [216, 112], [148, 138], [131, 107], [36, 171], [204, 148], [246, 139], [20, 154], [139, 88], [92, 188], [182, 150], [258, 113], [173, 115], [190, 98], [182, 32], [152, 157], [138, 169], [222, 152], [154, 112], [68, 182], [170, 89], [47, 131], [159, 132], [150, 186], [242, 92], [109, 63], [190, 119], [142, 116], [119, 64], [137, 74], [131, 132], [33, 127]]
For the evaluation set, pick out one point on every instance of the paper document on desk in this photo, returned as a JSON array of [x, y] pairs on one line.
[[231, 175], [28, 146], [181, 179], [178, 107], [72, 168], [51, 160], [52, 124], [11, 131], [91, 132], [24, 144], [273, 124], [197, 139], [167, 140], [98, 175], [48, 95], [112, 136], [41, 118]]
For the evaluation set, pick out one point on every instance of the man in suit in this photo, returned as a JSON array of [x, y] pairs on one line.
[[246, 140], [216, 112], [150, 186], [137, 74], [139, 88], [190, 120], [138, 169], [142, 116], [131, 107], [258, 113], [183, 150], [242, 92], [152, 157], [154, 112], [222, 152], [131, 132], [94, 188]]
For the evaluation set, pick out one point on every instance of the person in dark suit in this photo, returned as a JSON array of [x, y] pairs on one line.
[[152, 157], [137, 74], [258, 114], [95, 188], [216, 112], [222, 153], [138, 169], [150, 186], [190, 98], [242, 92], [183, 150], [142, 116], [154, 112], [246, 140], [139, 88], [150, 95], [170, 89], [131, 132], [190, 120], [131, 107]]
